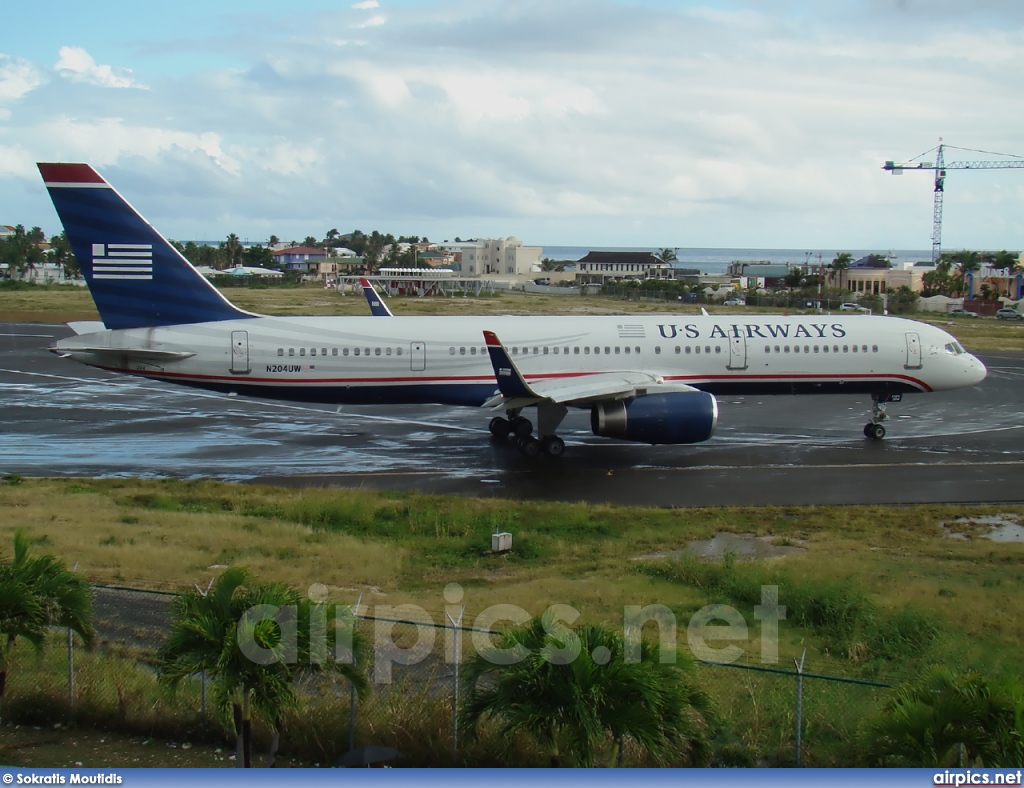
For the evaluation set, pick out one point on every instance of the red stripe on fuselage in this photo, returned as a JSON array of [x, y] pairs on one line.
[[689, 379]]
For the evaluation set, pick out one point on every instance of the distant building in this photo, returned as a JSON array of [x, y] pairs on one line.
[[501, 256], [299, 258], [597, 267]]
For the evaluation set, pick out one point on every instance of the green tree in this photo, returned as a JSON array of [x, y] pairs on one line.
[[37, 593], [578, 688], [839, 264], [253, 640], [668, 255], [62, 254], [965, 263], [947, 719], [233, 250]]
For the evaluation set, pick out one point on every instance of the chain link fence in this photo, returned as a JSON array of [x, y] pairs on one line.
[[413, 703]]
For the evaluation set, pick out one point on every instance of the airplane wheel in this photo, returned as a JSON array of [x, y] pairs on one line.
[[499, 427], [529, 446], [877, 432], [867, 429], [554, 446], [522, 427]]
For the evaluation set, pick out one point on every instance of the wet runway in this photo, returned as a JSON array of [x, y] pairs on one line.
[[59, 418]]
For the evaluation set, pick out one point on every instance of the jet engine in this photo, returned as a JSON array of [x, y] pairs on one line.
[[680, 417]]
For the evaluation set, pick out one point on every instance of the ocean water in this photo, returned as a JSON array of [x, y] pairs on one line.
[[716, 260]]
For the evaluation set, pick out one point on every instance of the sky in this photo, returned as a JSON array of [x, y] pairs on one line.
[[601, 123]]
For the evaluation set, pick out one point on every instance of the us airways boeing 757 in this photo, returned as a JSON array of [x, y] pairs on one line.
[[651, 379]]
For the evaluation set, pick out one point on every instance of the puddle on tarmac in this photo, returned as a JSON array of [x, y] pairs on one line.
[[739, 545], [994, 527]]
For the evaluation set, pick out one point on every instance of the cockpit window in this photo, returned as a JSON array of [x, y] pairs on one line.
[[955, 348]]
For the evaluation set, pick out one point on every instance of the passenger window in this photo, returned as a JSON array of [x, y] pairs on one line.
[[546, 350], [785, 348], [344, 351], [291, 351], [334, 351], [323, 351], [472, 351], [576, 350], [302, 351], [657, 349], [863, 348], [718, 349], [707, 348], [366, 351], [767, 348], [398, 351], [627, 348], [637, 350], [355, 351], [462, 351], [678, 350], [387, 351], [807, 349], [687, 350], [616, 350], [451, 351], [846, 348], [854, 348], [312, 351], [697, 350], [874, 348], [835, 348], [796, 348], [586, 351], [280, 351], [607, 351], [536, 351], [824, 348], [815, 348], [376, 351]]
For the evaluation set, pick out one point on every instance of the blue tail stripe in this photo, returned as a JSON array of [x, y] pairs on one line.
[[96, 218]]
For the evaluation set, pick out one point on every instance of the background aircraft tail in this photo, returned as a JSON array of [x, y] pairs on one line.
[[136, 278]]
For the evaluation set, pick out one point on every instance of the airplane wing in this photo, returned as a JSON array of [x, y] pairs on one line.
[[577, 390], [141, 354]]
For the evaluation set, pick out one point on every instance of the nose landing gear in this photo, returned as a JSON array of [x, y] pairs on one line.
[[875, 429]]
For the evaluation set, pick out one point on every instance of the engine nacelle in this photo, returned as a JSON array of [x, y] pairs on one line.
[[680, 417]]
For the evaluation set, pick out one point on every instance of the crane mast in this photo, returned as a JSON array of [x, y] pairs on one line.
[[940, 167]]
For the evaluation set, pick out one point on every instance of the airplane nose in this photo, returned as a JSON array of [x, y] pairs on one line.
[[977, 371]]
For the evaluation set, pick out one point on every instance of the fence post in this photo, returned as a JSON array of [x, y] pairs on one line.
[[457, 642], [799, 703], [71, 674], [352, 687]]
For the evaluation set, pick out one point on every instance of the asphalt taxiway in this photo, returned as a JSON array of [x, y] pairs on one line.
[[59, 418]]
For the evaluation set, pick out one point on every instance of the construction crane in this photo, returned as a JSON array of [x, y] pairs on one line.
[[940, 166]]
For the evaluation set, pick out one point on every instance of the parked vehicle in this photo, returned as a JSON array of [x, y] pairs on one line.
[[734, 302], [852, 308], [1006, 313], [962, 313]]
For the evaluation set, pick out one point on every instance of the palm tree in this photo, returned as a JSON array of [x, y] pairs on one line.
[[668, 255], [966, 263], [250, 661], [947, 719], [575, 686], [233, 247], [839, 264], [37, 593]]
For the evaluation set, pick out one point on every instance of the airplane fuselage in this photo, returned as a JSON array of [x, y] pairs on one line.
[[366, 360]]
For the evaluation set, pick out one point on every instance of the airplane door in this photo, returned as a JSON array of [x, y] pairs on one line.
[[913, 350], [240, 352], [738, 352], [418, 356]]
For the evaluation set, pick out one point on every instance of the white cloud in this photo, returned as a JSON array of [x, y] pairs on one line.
[[18, 77], [377, 20], [591, 121], [77, 65]]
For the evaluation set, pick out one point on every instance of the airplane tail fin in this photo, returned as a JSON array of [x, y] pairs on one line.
[[378, 307], [136, 277]]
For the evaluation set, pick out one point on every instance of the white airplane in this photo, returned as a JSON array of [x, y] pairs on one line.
[[643, 378]]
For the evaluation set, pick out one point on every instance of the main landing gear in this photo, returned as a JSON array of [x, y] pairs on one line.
[[519, 429], [875, 429]]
